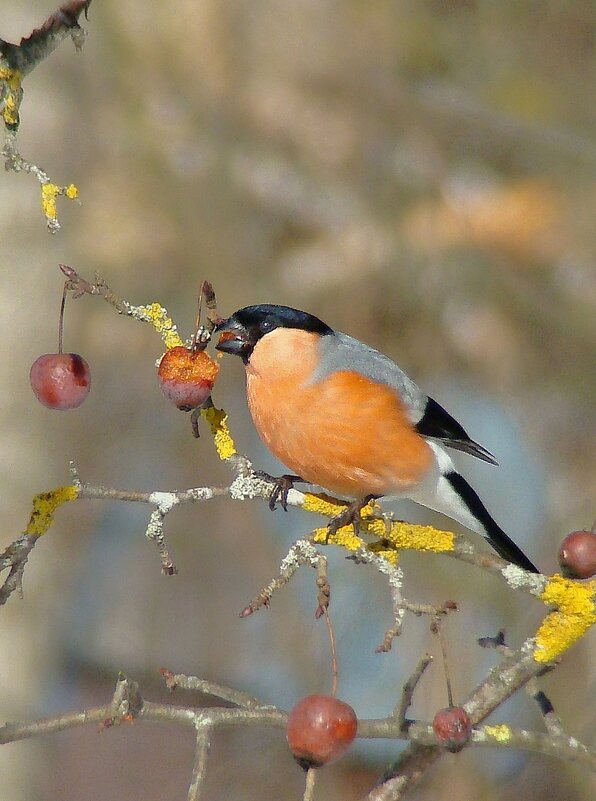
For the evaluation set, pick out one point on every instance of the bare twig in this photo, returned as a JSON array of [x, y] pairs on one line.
[[551, 720], [324, 594], [176, 681], [309, 789], [199, 768], [14, 558], [36, 47], [127, 704], [301, 553], [408, 692]]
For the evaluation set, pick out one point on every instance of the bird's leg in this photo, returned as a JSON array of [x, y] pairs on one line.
[[351, 514], [281, 486]]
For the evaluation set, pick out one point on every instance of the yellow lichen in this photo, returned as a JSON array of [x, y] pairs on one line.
[[49, 191], [322, 505], [155, 314], [44, 507], [12, 77], [574, 614], [393, 536], [420, 538], [218, 422], [501, 732], [12, 100], [376, 527], [390, 555], [344, 537], [10, 112]]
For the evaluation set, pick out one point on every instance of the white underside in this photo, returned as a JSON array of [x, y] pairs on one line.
[[436, 493]]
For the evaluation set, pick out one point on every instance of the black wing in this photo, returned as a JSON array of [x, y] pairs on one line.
[[495, 535], [439, 424]]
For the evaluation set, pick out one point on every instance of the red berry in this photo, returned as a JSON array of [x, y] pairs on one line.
[[452, 727], [577, 555], [187, 376], [60, 380], [320, 729]]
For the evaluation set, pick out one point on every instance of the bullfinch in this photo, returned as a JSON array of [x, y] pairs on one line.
[[345, 417]]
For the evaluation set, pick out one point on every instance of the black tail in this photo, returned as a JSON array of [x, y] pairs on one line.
[[495, 535]]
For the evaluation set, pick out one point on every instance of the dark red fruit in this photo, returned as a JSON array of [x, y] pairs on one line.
[[60, 380], [577, 555], [187, 376], [320, 729], [452, 727]]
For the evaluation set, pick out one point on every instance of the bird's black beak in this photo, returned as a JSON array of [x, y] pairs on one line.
[[234, 339]]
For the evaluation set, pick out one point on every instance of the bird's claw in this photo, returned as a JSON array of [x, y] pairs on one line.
[[281, 486], [350, 515]]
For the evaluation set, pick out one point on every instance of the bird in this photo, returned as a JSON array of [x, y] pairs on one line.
[[345, 417]]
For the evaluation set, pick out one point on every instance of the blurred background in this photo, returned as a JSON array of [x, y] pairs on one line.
[[418, 174]]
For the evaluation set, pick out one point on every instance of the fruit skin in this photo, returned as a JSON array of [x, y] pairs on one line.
[[452, 727], [320, 729], [187, 376], [60, 380], [577, 555]]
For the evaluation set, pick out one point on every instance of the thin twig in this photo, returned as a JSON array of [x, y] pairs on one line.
[[309, 789], [199, 768], [176, 681], [408, 691], [301, 553], [552, 721]]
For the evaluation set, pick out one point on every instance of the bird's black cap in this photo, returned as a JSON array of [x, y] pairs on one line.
[[243, 329]]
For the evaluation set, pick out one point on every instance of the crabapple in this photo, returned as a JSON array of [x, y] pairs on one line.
[[187, 376], [60, 380], [320, 729]]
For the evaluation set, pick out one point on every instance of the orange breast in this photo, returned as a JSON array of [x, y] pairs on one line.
[[345, 433]]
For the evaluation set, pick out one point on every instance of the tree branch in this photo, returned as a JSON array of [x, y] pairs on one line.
[[127, 705]]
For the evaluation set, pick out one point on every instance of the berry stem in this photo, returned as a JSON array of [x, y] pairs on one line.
[[208, 295], [61, 318], [195, 336], [334, 666], [445, 664]]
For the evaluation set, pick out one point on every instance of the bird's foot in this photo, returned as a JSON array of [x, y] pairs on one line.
[[281, 486], [350, 515]]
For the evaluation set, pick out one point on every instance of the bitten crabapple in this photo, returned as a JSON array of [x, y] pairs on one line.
[[186, 376], [320, 729], [60, 380]]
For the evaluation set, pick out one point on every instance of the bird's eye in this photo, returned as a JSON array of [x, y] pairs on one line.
[[266, 325]]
